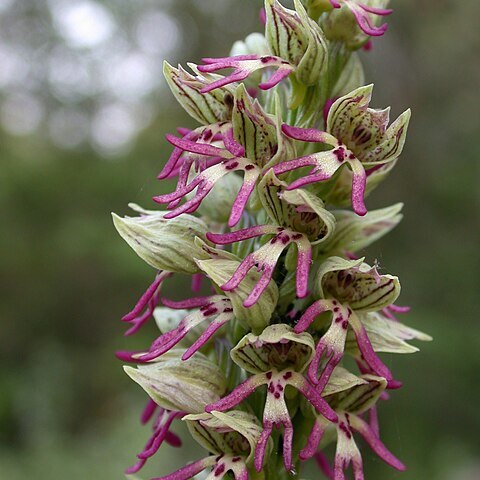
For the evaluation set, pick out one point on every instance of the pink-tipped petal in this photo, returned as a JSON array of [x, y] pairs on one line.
[[359, 184], [144, 299], [232, 145], [304, 259], [324, 466], [313, 396], [190, 470], [240, 393], [306, 134], [366, 349], [148, 411], [276, 78], [313, 441], [375, 443], [262, 445]]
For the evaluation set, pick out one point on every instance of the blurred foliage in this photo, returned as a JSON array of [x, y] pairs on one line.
[[67, 410]]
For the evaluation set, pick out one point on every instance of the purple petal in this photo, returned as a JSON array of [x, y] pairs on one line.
[[313, 396], [190, 470], [199, 148], [232, 145], [148, 411], [306, 134], [187, 304], [310, 314], [262, 445], [276, 78], [207, 334], [367, 351], [359, 184], [240, 202], [240, 393], [376, 11], [239, 235], [144, 299], [304, 259], [375, 443], [324, 466], [313, 441]]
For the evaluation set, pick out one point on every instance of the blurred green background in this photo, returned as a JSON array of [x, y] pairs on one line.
[[83, 113]]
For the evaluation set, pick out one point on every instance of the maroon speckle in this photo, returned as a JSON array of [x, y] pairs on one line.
[[271, 388], [345, 325], [210, 311], [287, 375], [236, 459], [207, 134], [269, 375], [249, 167], [351, 156], [297, 236], [219, 470], [345, 430], [231, 166], [227, 310], [339, 153], [335, 302], [276, 395], [336, 309]]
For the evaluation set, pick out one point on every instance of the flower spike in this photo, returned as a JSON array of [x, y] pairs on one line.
[[268, 219]]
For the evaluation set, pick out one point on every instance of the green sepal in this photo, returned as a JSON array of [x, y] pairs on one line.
[[357, 399], [385, 335], [354, 233], [206, 108], [235, 432], [253, 128], [356, 284], [278, 347]]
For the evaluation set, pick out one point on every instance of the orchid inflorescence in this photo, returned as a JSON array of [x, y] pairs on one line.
[[259, 219]]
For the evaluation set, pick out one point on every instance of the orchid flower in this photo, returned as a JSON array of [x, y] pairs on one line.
[[350, 397], [362, 12], [360, 139], [276, 358], [347, 287]]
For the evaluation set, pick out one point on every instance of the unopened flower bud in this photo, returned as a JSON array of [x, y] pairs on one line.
[[180, 386], [294, 36], [163, 244]]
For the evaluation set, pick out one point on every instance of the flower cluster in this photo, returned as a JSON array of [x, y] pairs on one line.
[[260, 220]]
